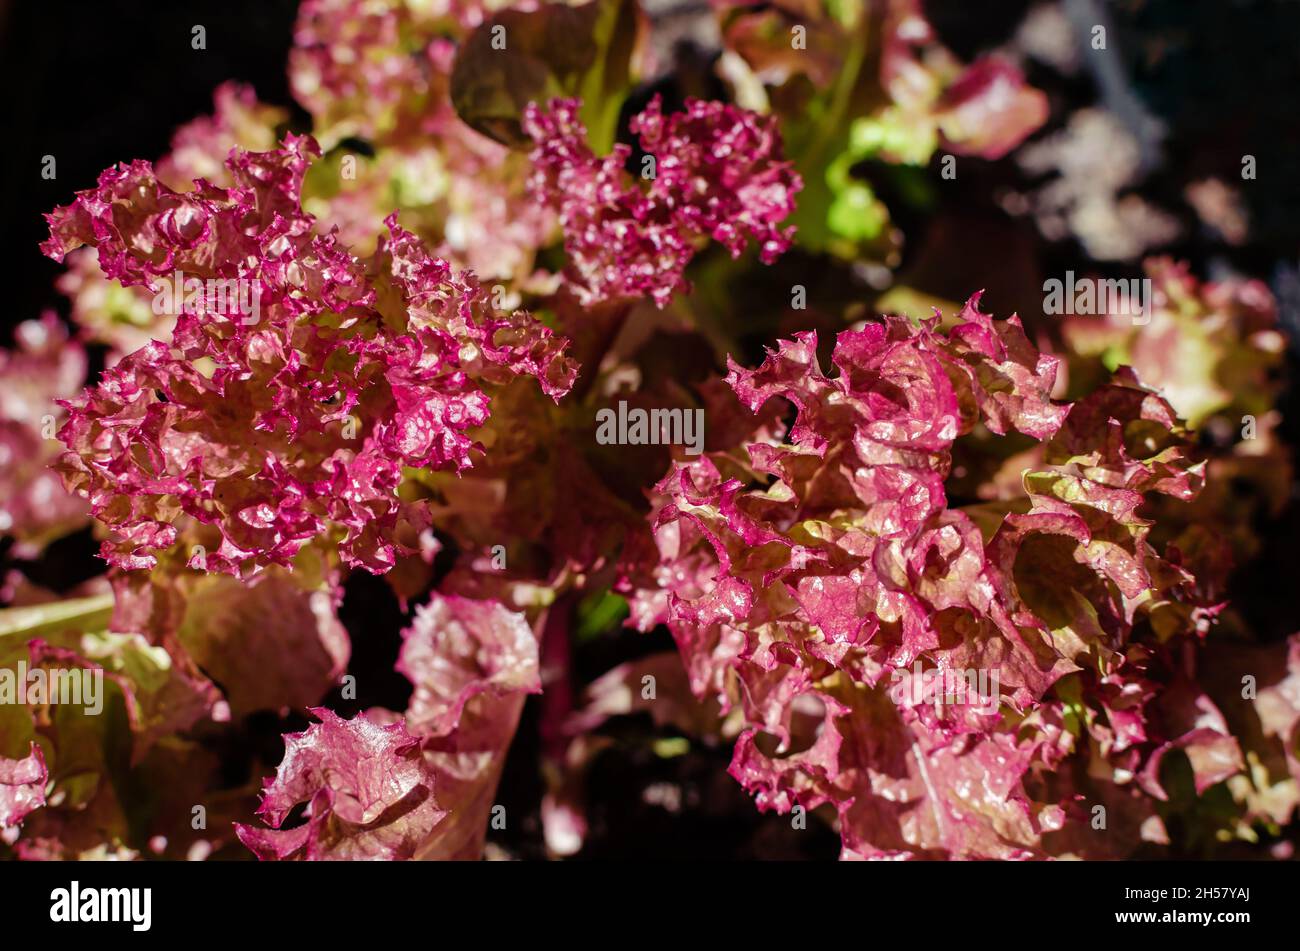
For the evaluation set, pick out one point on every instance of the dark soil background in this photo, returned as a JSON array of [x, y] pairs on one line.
[[97, 83]]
